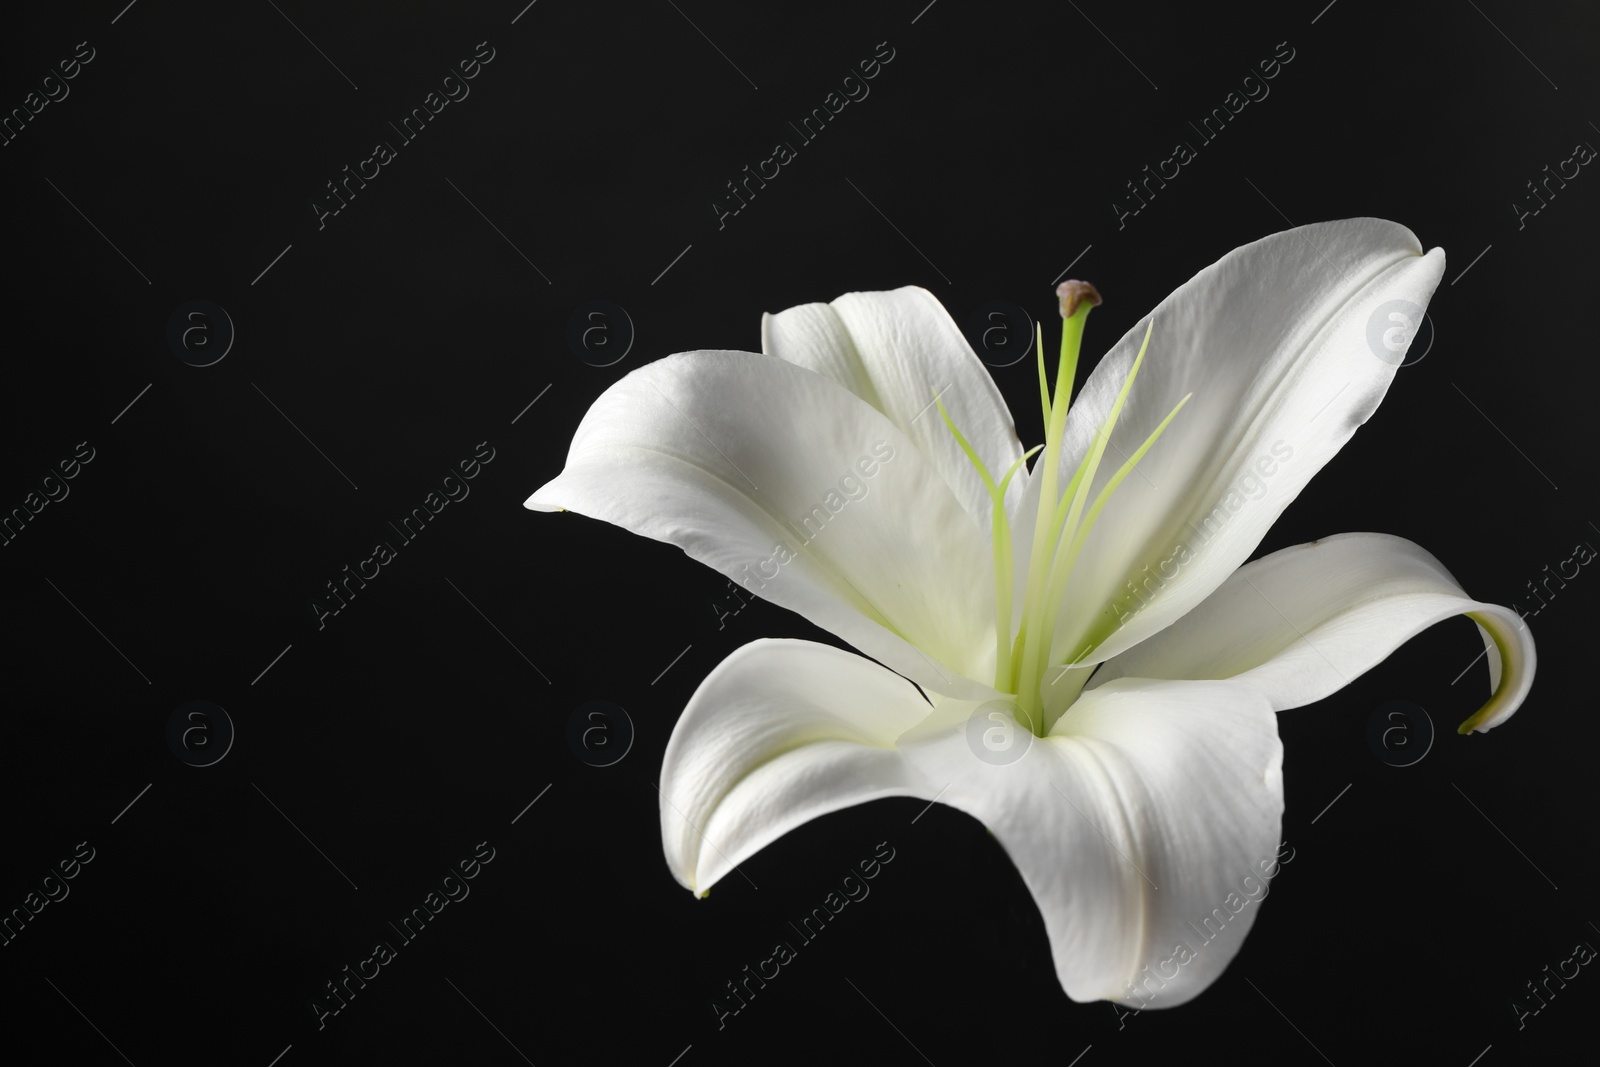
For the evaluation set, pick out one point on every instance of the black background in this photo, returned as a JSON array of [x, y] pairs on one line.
[[426, 316]]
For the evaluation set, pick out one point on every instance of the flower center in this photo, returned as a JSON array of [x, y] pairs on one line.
[[1062, 525]]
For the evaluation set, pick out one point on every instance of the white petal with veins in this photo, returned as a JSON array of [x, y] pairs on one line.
[[1272, 341], [897, 350], [1308, 620], [730, 455]]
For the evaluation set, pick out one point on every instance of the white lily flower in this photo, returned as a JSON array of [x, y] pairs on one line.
[[1101, 672]]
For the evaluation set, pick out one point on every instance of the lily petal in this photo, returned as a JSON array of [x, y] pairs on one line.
[[896, 350], [1153, 805], [1273, 342], [1304, 622], [757, 468], [780, 733], [1145, 825]]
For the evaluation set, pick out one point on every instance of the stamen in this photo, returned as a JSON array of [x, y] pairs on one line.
[[1116, 479], [1044, 389], [1063, 523], [1000, 533], [1060, 574], [1055, 428], [1038, 653], [1004, 575]]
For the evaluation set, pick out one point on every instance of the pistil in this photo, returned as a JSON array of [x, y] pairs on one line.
[[1062, 524], [1076, 299]]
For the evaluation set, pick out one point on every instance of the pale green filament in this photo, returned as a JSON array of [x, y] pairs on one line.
[[1000, 533], [1110, 486], [1055, 429], [1070, 516], [1023, 666], [1061, 569], [1059, 531], [1044, 388], [1068, 512]]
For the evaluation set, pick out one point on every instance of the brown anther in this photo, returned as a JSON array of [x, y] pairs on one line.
[[1072, 293]]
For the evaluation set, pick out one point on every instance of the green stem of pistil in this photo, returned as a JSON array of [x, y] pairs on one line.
[[1033, 604], [1066, 532], [1062, 522]]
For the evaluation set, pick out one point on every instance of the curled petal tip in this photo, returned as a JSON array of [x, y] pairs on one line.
[[1512, 665]]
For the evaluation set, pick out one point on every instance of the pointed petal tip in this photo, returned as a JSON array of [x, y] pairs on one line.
[[781, 732], [540, 498], [1437, 254]]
